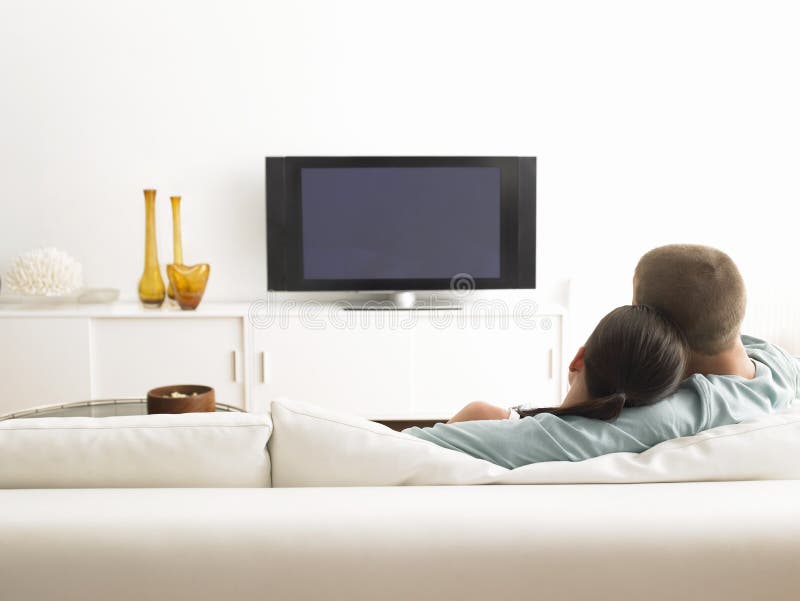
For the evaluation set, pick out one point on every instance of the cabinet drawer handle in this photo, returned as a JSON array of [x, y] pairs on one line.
[[550, 364], [236, 374], [263, 367]]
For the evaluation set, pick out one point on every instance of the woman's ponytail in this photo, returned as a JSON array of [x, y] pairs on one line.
[[605, 408]]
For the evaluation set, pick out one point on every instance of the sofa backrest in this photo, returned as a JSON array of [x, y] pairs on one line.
[[142, 451]]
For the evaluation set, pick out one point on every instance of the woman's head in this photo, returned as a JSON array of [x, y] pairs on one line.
[[635, 356]]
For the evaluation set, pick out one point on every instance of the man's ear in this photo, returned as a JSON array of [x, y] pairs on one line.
[[577, 363]]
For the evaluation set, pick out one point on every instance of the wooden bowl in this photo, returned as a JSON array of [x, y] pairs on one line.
[[197, 399]]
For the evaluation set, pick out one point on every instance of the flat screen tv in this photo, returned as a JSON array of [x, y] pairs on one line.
[[400, 223]]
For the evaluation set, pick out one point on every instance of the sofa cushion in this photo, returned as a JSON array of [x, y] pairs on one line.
[[186, 450], [312, 446], [706, 541]]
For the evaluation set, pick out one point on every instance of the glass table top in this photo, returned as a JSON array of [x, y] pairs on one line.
[[96, 408]]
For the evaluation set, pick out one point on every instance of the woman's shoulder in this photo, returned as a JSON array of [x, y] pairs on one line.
[[682, 413]]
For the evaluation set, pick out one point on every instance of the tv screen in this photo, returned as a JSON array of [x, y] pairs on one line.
[[400, 223]]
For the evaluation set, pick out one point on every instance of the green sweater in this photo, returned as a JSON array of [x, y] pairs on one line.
[[701, 402]]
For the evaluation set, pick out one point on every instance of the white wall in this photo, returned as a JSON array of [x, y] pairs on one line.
[[653, 123]]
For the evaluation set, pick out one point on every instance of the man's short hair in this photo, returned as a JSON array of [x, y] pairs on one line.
[[699, 288]]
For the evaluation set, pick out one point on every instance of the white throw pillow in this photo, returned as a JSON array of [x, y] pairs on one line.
[[311, 446], [175, 451]]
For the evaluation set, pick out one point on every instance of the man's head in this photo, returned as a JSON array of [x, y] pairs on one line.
[[699, 288]]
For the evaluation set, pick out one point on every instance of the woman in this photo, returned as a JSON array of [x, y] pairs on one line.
[[634, 357]]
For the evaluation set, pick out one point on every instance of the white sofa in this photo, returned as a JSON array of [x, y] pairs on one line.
[[179, 507]]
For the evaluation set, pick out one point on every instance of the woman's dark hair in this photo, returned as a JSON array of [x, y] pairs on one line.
[[635, 356]]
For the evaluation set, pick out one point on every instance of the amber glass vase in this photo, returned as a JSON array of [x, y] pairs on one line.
[[177, 245], [188, 283], [151, 284]]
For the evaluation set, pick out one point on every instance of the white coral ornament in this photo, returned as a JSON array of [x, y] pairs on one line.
[[44, 272]]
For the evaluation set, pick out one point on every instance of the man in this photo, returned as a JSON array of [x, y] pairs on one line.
[[733, 377], [700, 289]]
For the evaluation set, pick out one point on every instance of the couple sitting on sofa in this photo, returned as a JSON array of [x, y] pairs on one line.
[[672, 364]]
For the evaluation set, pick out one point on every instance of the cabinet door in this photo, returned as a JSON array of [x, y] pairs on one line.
[[361, 367], [470, 358], [132, 355], [43, 361]]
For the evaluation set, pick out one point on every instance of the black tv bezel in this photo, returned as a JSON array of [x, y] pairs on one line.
[[284, 223]]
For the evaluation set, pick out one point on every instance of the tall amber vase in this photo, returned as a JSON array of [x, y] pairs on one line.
[[177, 245], [151, 284]]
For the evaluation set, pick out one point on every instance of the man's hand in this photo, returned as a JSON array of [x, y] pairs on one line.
[[478, 410]]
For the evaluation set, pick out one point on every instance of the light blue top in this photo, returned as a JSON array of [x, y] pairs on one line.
[[700, 403]]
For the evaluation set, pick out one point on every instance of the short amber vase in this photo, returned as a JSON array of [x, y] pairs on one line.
[[188, 283], [151, 284]]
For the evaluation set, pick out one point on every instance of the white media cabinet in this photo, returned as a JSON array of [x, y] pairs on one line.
[[392, 365]]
